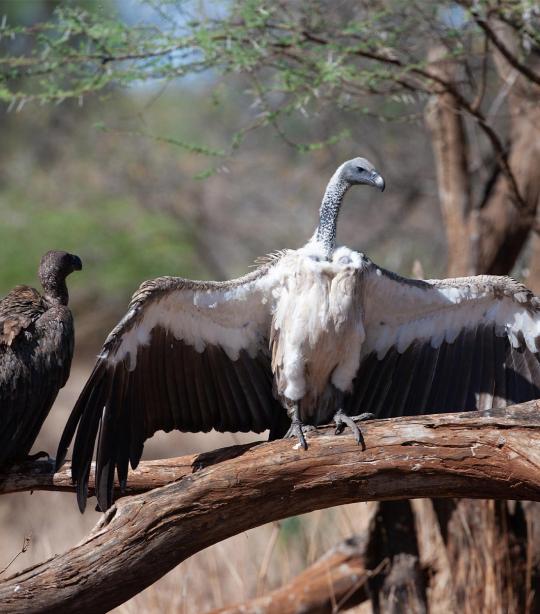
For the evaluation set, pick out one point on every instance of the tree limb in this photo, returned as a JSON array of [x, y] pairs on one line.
[[492, 454], [337, 581], [40, 475], [503, 49]]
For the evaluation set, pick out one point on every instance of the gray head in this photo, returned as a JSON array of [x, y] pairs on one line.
[[54, 267], [360, 171], [357, 171]]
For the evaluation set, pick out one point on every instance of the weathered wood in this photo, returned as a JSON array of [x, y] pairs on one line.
[[382, 565], [40, 475], [485, 455]]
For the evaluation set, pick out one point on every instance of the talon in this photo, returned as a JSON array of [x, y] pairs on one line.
[[341, 420], [298, 431], [365, 416], [340, 427]]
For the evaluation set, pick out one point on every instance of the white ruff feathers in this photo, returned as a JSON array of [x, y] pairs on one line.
[[317, 323]]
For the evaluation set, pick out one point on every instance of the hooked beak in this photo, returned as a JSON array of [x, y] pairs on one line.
[[77, 263], [377, 180]]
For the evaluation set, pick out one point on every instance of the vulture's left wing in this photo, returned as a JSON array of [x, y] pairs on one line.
[[446, 345], [188, 355]]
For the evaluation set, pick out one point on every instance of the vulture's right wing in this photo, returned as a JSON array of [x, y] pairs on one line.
[[446, 345], [188, 355]]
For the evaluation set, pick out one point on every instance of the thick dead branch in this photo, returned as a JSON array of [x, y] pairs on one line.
[[335, 582], [495, 455], [382, 565], [40, 475]]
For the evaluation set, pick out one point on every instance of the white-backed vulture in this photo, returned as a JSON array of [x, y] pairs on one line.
[[313, 334]]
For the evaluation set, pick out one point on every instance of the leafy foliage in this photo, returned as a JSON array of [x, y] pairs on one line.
[[119, 244], [298, 56]]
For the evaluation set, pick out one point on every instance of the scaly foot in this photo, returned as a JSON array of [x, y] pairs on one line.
[[297, 429], [341, 420]]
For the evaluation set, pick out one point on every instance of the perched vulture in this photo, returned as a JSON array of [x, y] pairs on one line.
[[313, 334], [36, 346]]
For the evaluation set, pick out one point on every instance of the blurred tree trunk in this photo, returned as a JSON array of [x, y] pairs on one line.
[[492, 547], [488, 236], [401, 585]]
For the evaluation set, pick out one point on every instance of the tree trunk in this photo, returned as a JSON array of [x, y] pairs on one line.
[[402, 586], [492, 548]]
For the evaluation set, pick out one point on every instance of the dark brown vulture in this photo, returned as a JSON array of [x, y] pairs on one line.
[[313, 334], [36, 346]]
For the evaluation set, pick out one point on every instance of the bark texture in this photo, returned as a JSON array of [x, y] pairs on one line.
[[486, 455], [40, 475]]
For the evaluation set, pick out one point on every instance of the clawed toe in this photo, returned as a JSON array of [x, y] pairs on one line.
[[297, 430], [341, 420]]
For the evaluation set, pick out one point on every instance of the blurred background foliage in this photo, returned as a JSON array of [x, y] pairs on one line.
[[148, 180]]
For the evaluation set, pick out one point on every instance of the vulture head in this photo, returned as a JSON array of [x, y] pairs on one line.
[[360, 171], [54, 267]]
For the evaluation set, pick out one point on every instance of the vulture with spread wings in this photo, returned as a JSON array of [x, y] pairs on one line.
[[313, 335]]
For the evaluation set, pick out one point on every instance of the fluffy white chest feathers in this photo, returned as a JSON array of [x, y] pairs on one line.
[[317, 326]]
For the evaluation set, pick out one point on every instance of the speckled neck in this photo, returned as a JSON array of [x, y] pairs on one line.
[[329, 212], [55, 290]]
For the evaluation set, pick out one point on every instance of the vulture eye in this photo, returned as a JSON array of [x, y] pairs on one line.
[[360, 169]]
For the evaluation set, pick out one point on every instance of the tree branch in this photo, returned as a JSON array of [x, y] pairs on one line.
[[508, 55], [492, 454], [337, 581], [40, 475]]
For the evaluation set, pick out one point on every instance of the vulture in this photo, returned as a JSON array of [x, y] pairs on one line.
[[36, 347], [312, 335]]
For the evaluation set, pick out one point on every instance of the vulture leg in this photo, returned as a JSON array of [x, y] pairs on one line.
[[297, 428], [341, 420]]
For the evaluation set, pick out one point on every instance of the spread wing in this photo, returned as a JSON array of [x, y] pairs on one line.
[[446, 345], [188, 355]]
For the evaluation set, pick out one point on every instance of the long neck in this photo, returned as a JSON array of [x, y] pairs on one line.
[[329, 212], [55, 290]]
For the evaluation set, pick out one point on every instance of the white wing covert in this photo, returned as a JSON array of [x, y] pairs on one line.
[[446, 345], [188, 355]]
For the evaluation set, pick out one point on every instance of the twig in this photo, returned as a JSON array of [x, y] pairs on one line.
[[26, 543]]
